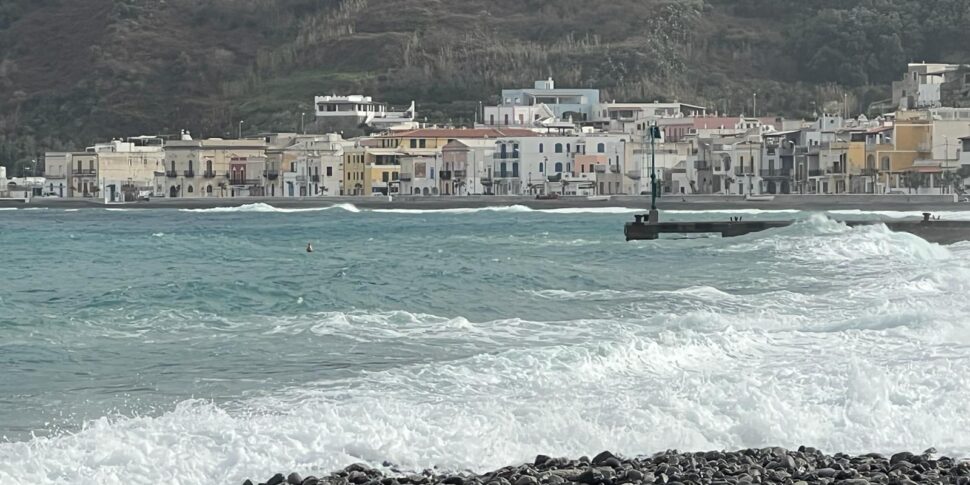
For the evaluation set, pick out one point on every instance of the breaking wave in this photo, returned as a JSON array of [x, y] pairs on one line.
[[263, 207]]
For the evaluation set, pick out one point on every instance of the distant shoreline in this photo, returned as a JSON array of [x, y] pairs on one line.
[[786, 202]]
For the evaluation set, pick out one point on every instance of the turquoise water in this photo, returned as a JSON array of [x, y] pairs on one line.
[[177, 345]]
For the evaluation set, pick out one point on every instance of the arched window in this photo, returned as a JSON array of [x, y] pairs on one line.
[[434, 190], [190, 165], [191, 189], [426, 191], [558, 167], [558, 147], [568, 148], [540, 148], [417, 191], [582, 168], [600, 148], [173, 165], [871, 162], [208, 188]]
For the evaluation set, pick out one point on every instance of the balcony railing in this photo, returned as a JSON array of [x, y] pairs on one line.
[[444, 174], [460, 174], [83, 173], [271, 174], [209, 174], [404, 177], [315, 178], [171, 174], [869, 172], [816, 173], [189, 173], [242, 181], [506, 156], [777, 172]]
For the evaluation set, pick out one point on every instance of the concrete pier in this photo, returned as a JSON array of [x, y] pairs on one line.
[[937, 231]]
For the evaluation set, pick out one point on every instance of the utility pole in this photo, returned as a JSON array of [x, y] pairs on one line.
[[240, 130], [303, 123], [755, 107]]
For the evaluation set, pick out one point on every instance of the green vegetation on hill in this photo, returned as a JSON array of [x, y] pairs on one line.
[[76, 71]]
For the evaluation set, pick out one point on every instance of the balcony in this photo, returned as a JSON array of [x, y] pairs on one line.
[[486, 181], [506, 156], [83, 173], [444, 174], [301, 178], [209, 174], [869, 172], [460, 174], [776, 172], [633, 175], [171, 174], [404, 177], [816, 173], [702, 165], [271, 174], [189, 173], [242, 181], [315, 178]]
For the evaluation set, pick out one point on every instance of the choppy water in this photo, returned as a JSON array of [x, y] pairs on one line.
[[187, 347]]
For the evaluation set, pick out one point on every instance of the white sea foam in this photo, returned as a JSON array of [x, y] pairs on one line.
[[944, 215], [731, 211], [515, 209], [263, 207]]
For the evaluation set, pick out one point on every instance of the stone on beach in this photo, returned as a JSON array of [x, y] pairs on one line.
[[766, 466]]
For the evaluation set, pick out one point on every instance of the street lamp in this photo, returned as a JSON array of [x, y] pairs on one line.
[[240, 129], [303, 123]]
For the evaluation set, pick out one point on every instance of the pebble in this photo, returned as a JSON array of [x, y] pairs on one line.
[[765, 466]]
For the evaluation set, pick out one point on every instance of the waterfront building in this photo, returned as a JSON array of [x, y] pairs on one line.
[[129, 168], [213, 167]]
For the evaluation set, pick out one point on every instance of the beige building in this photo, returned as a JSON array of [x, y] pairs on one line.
[[213, 167]]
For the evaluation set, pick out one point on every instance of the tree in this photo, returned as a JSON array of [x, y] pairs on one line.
[[914, 180]]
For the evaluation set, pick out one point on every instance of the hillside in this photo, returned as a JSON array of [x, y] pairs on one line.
[[74, 71]]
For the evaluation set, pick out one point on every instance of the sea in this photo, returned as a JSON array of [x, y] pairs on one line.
[[208, 346]]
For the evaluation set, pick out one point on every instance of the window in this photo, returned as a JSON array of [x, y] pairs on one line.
[[191, 189], [502, 168], [91, 165], [491, 121], [190, 165], [600, 148], [582, 168], [173, 166], [558, 147], [293, 166], [506, 120], [208, 168], [385, 176], [515, 169], [394, 175], [414, 143], [422, 143], [208, 189], [79, 165], [558, 167], [541, 167], [329, 171], [540, 149], [568, 149], [885, 163]]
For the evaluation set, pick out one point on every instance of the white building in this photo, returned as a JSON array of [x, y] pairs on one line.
[[355, 110], [524, 107], [921, 85], [537, 165], [317, 170]]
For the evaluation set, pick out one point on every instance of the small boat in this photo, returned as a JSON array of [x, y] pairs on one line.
[[599, 197], [759, 198]]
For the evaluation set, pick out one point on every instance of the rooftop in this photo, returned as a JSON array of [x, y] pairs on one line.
[[464, 133]]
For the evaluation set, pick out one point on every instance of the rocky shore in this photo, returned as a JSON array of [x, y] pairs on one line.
[[804, 466]]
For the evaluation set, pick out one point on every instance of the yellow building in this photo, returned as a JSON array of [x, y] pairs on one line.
[[355, 176]]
